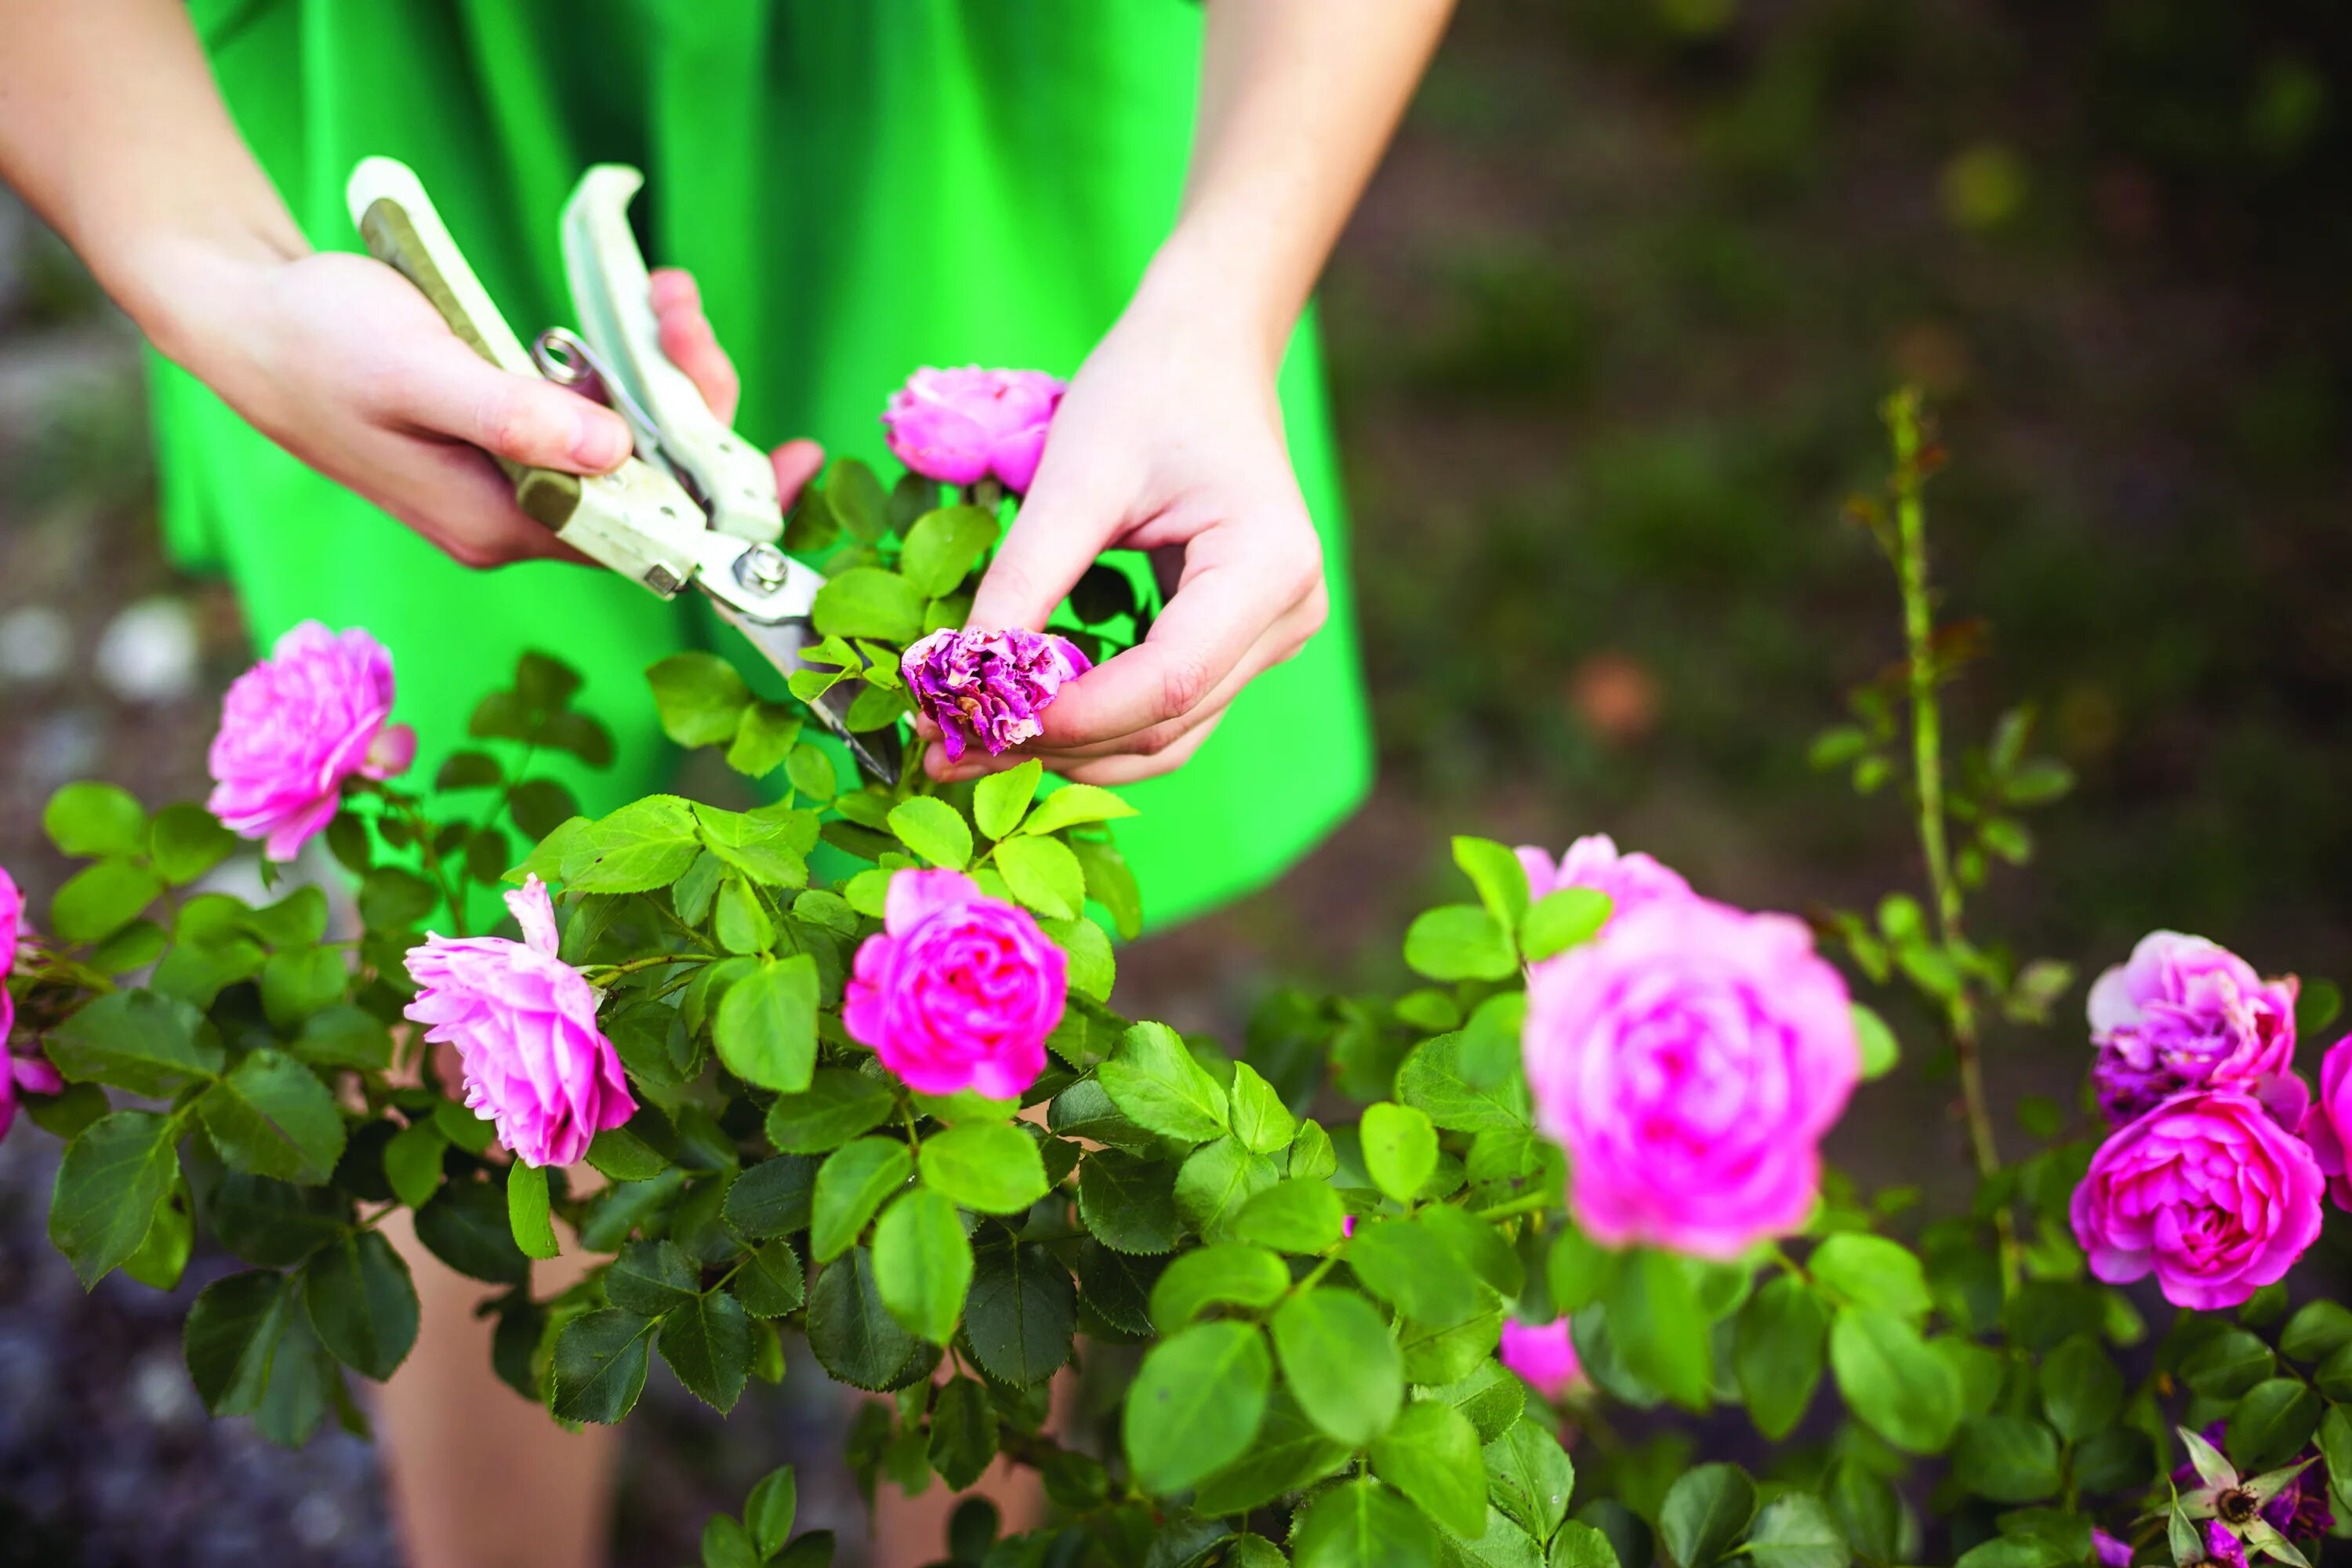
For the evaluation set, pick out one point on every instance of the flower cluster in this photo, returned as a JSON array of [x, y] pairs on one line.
[[960, 427], [988, 689], [1688, 1059], [295, 726]]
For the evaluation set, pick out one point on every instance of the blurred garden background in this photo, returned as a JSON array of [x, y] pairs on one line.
[[1607, 339]]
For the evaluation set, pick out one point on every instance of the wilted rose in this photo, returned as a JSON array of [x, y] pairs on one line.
[[956, 991], [524, 1023], [295, 726], [988, 688], [2183, 1013], [1593, 861], [2207, 1191], [1689, 1060], [958, 426]]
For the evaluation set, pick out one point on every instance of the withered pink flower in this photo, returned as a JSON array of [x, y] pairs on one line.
[[988, 689]]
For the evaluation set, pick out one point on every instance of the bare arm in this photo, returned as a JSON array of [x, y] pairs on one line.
[[110, 126], [1170, 438]]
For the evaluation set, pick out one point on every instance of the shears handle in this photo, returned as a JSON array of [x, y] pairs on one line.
[[635, 519]]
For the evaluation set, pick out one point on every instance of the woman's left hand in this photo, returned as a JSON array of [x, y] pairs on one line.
[[1169, 441]]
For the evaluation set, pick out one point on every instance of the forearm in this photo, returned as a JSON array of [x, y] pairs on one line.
[[112, 130], [1297, 100]]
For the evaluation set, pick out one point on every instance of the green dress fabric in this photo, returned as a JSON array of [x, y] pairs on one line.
[[861, 187]]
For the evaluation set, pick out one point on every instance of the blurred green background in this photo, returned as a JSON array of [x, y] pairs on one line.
[[1608, 338]]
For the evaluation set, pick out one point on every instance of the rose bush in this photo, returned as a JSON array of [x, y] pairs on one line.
[[1436, 1275]]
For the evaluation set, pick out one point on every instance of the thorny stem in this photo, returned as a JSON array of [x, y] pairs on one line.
[[1927, 768]]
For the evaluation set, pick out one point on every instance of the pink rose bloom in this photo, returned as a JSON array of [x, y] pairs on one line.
[[18, 1073], [956, 991], [960, 425], [988, 689], [2183, 1013], [2328, 1125], [2108, 1551], [524, 1024], [2209, 1192], [1593, 861], [1689, 1060], [295, 726], [11, 924], [1542, 1354]]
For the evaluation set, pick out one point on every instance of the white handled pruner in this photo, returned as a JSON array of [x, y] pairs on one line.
[[697, 505]]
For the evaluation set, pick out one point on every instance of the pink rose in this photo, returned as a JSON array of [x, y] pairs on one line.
[[1543, 1354], [2184, 1013], [2209, 1192], [524, 1024], [988, 689], [957, 991], [1689, 1059], [1593, 861], [295, 726], [30, 1072], [2328, 1125], [960, 425], [2108, 1551], [2222, 1546]]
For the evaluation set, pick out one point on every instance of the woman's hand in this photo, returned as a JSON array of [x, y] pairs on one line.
[[1169, 440], [340, 360]]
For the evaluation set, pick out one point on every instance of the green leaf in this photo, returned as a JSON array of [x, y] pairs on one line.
[[1563, 919], [1400, 1149], [2082, 1388], [2226, 1364], [1195, 1404], [600, 1365], [465, 1227], [1020, 1312], [412, 1162], [963, 1432], [233, 1329], [188, 841], [344, 1036], [363, 1304], [923, 1263], [1432, 1456], [140, 1040], [764, 739], [934, 830], [1529, 1478], [2009, 1458], [1795, 1531], [651, 1277], [1502, 884], [1224, 1273], [1073, 806], [1155, 1082], [991, 1166], [1216, 1181], [527, 1210], [767, 1511], [762, 850], [272, 1117], [869, 601], [1894, 1380], [2317, 1330], [700, 698], [1342, 1366], [837, 1105], [1655, 1315], [857, 499], [1491, 1399], [1043, 874], [1777, 1353], [771, 1282], [1871, 1271], [1413, 1269], [850, 1331], [740, 920], [1880, 1050], [1460, 941], [1091, 966], [1433, 1081], [1260, 1120], [998, 800], [1291, 1216], [1361, 1524], [115, 1172], [766, 1028], [942, 546], [91, 818], [1129, 1202], [1704, 1512], [850, 1185], [1288, 1452], [2272, 1424], [708, 1342], [2316, 1006], [773, 1197]]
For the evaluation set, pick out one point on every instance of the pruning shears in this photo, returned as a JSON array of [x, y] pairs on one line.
[[697, 505]]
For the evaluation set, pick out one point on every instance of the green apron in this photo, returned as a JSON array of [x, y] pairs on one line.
[[861, 187]]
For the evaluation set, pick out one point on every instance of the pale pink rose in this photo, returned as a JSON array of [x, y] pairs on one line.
[[1689, 1059], [295, 726], [1543, 1354], [2183, 1013], [956, 991], [18, 1073], [1593, 861], [2208, 1191], [957, 427], [524, 1024]]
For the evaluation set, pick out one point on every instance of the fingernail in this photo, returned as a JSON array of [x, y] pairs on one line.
[[599, 439]]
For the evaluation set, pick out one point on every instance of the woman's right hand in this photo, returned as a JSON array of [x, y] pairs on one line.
[[340, 360]]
